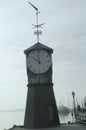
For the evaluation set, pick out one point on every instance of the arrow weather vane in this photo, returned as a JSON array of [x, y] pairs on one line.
[[37, 26]]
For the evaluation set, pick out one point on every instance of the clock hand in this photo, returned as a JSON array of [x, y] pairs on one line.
[[38, 57], [35, 59]]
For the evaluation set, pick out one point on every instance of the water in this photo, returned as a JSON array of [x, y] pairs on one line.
[[8, 119], [66, 118]]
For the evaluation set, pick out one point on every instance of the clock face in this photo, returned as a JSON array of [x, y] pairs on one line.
[[38, 61]]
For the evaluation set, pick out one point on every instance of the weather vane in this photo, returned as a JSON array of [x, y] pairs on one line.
[[37, 26]]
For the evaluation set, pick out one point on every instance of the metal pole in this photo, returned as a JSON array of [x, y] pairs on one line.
[[37, 26], [73, 94]]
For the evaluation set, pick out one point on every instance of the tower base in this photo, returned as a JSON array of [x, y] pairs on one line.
[[41, 110]]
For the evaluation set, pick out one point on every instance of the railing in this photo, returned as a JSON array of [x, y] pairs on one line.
[[81, 117]]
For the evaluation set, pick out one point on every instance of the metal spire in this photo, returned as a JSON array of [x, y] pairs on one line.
[[37, 26]]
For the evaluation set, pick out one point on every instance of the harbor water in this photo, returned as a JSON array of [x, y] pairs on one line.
[[66, 118], [8, 119]]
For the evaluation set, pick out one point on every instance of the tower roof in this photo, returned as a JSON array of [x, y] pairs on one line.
[[38, 46]]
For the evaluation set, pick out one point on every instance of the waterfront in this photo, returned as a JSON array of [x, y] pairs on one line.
[[8, 119], [66, 118]]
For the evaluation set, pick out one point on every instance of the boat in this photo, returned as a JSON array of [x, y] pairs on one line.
[[63, 110], [81, 113]]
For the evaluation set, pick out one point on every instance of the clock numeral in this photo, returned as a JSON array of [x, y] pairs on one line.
[[48, 66], [39, 71], [48, 61], [34, 70], [30, 66]]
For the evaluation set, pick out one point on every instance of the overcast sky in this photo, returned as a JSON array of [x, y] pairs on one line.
[[64, 31]]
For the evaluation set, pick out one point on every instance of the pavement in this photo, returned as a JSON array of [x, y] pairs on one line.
[[62, 127], [72, 127], [69, 127]]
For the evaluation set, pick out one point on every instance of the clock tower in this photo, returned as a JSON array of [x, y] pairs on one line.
[[41, 110]]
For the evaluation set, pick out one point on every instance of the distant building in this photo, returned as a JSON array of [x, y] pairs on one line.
[[85, 102]]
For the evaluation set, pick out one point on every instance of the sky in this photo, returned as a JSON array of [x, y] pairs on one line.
[[64, 31]]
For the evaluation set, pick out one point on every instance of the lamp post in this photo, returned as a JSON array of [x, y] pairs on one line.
[[73, 94]]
